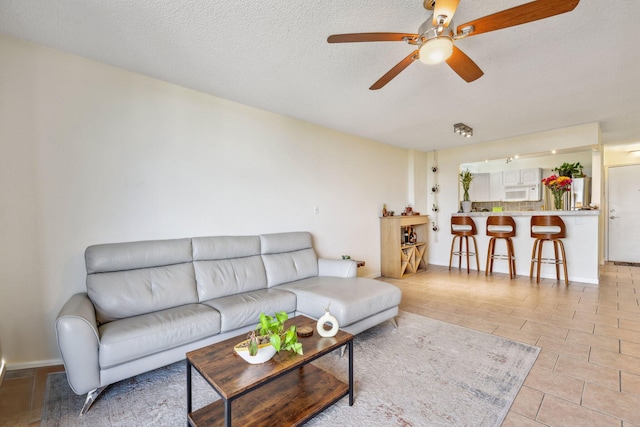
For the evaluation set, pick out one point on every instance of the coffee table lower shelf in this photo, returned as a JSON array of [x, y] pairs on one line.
[[290, 400]]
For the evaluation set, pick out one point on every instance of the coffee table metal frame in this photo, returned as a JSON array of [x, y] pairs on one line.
[[273, 370]]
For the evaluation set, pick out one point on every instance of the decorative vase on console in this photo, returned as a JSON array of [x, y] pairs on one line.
[[327, 317], [558, 185]]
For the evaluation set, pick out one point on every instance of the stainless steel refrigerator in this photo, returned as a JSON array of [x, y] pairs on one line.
[[580, 192]]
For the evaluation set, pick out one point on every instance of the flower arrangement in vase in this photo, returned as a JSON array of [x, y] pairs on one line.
[[558, 186]]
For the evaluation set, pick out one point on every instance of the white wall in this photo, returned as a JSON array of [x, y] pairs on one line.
[[545, 162], [448, 162], [619, 155], [94, 154]]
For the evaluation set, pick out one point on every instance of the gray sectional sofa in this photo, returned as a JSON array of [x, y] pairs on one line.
[[148, 303]]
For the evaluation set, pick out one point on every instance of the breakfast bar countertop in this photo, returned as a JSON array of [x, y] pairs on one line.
[[582, 212], [581, 244]]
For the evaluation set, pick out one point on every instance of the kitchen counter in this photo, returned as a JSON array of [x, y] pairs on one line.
[[581, 244], [586, 212]]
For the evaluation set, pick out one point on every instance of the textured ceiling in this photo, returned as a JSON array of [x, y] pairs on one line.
[[571, 69]]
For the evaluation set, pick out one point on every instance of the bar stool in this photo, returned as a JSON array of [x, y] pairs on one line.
[[548, 228], [501, 227], [463, 227]]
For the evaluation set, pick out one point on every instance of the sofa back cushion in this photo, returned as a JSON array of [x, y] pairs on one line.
[[288, 257], [129, 279], [227, 265]]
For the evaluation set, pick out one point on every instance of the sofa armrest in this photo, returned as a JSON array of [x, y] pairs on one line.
[[337, 267], [78, 342]]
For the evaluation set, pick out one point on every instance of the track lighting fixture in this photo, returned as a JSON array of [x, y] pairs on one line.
[[462, 129]]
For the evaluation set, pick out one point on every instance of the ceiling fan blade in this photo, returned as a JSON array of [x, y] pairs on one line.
[[518, 15], [464, 66], [370, 37], [395, 70], [444, 8]]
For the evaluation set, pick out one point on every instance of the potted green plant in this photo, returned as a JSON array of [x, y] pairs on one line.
[[465, 179], [268, 338], [572, 170]]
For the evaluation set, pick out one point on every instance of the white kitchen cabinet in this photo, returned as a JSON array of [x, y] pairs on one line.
[[496, 190], [511, 177], [480, 188], [529, 176]]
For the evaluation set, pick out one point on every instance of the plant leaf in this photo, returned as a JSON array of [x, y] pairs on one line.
[[297, 348], [265, 322], [276, 342], [253, 346], [282, 316]]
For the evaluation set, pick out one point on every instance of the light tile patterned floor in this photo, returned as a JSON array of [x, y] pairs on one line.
[[21, 396], [587, 374]]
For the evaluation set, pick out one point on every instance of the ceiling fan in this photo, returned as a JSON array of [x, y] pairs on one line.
[[435, 37]]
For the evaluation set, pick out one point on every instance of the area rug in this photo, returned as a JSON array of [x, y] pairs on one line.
[[424, 373]]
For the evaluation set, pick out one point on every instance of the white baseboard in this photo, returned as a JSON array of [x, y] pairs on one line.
[[36, 364]]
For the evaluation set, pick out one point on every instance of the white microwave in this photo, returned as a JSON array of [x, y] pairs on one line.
[[521, 193]]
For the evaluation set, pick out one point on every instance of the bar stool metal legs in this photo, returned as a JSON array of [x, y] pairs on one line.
[[466, 252], [510, 256], [559, 258]]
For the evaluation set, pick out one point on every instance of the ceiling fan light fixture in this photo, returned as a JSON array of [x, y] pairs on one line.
[[436, 50]]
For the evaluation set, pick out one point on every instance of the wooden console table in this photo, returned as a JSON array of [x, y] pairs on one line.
[[399, 257]]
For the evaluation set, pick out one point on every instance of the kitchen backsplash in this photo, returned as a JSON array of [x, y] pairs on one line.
[[508, 206]]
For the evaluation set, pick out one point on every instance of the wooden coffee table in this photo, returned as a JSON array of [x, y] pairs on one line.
[[286, 390]]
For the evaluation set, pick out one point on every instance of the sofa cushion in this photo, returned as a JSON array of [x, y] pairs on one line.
[[225, 247], [349, 299], [133, 255], [288, 257], [227, 265], [216, 279], [276, 243], [121, 294], [244, 309], [290, 266], [132, 278], [135, 337]]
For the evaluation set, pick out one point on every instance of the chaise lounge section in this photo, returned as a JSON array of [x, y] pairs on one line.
[[149, 303]]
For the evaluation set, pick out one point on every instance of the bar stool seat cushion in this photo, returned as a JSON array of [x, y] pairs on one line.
[[499, 228]]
